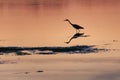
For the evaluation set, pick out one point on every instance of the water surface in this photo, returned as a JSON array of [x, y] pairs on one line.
[[40, 22]]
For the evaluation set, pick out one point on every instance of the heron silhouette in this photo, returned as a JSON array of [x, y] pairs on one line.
[[76, 36], [77, 27]]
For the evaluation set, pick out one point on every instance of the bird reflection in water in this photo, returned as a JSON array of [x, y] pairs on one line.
[[77, 35]]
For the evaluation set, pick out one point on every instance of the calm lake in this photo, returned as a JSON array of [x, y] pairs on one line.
[[41, 22]]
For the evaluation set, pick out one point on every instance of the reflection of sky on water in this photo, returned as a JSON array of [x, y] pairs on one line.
[[57, 4], [33, 6], [26, 20], [108, 75], [34, 3]]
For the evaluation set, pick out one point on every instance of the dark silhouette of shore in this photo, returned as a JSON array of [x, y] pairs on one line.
[[50, 50]]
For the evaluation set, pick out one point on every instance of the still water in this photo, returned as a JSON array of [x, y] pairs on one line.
[[41, 22]]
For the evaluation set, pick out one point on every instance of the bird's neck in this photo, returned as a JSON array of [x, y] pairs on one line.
[[69, 22]]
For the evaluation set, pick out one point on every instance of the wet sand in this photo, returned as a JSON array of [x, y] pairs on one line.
[[96, 66]]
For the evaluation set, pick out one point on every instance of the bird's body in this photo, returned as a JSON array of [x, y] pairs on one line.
[[77, 27], [75, 36]]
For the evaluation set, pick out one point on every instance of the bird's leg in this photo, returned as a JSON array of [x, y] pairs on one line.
[[69, 40]]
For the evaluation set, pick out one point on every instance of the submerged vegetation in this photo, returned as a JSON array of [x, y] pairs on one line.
[[49, 50]]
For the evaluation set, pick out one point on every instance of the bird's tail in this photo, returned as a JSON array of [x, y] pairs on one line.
[[86, 36]]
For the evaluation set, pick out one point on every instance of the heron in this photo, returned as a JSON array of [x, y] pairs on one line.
[[75, 36], [77, 27]]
